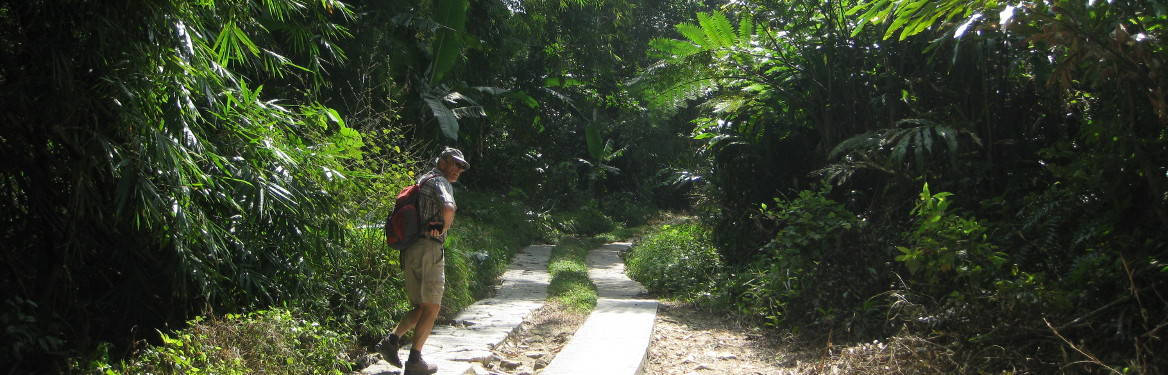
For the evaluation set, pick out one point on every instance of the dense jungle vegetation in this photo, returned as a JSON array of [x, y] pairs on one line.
[[988, 178]]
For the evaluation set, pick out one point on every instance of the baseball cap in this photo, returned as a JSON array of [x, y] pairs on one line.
[[456, 155]]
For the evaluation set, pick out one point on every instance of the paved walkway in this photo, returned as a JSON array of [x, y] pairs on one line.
[[613, 340], [485, 323]]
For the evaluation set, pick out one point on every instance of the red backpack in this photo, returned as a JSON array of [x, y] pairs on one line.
[[402, 226]]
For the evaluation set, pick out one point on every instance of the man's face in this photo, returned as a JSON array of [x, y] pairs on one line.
[[451, 169]]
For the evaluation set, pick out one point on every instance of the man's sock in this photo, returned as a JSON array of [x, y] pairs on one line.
[[415, 355]]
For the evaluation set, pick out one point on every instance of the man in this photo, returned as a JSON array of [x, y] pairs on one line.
[[423, 263]]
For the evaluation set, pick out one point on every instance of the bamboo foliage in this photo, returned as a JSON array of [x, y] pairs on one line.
[[165, 161]]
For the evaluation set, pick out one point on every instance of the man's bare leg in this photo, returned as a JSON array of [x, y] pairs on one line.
[[408, 322], [427, 313]]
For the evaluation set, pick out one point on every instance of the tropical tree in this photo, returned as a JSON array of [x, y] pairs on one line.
[[1041, 120]]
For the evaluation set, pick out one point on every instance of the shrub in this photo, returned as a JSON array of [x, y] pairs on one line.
[[361, 289], [272, 342], [675, 259], [949, 251], [814, 265]]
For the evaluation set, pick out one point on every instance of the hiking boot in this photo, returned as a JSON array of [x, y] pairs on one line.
[[418, 366], [388, 348]]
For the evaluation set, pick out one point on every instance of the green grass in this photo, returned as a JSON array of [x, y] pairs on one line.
[[622, 234], [570, 285]]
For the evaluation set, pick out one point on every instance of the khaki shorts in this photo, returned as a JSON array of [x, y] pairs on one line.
[[424, 271]]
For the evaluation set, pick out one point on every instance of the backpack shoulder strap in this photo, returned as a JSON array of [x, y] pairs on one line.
[[424, 180]]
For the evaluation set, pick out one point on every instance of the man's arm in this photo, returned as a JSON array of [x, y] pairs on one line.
[[447, 220], [448, 216]]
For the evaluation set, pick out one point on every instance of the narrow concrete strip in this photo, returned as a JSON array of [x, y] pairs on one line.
[[615, 338], [486, 323]]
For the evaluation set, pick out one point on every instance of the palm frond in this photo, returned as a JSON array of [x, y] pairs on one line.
[[862, 142]]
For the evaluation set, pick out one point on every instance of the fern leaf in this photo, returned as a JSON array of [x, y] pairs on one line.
[[745, 28], [950, 137], [668, 85], [694, 34], [727, 104], [915, 122], [918, 149], [927, 138], [672, 47], [474, 111], [717, 29]]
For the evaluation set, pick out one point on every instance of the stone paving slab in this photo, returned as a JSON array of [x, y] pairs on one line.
[[486, 323], [615, 338]]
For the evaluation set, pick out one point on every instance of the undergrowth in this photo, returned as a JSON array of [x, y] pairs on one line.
[[675, 259], [266, 341]]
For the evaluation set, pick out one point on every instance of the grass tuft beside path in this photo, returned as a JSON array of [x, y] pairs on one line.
[[570, 285]]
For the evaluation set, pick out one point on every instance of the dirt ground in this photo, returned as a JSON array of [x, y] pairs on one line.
[[532, 346], [688, 340]]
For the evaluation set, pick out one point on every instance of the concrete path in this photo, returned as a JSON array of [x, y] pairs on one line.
[[612, 341], [615, 338], [486, 323]]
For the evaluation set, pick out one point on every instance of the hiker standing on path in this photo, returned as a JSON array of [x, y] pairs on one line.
[[423, 264]]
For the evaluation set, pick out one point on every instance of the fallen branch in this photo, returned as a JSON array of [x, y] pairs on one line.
[[1092, 358]]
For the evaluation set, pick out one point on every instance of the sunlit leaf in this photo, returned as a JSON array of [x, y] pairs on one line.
[[965, 26], [1006, 15]]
